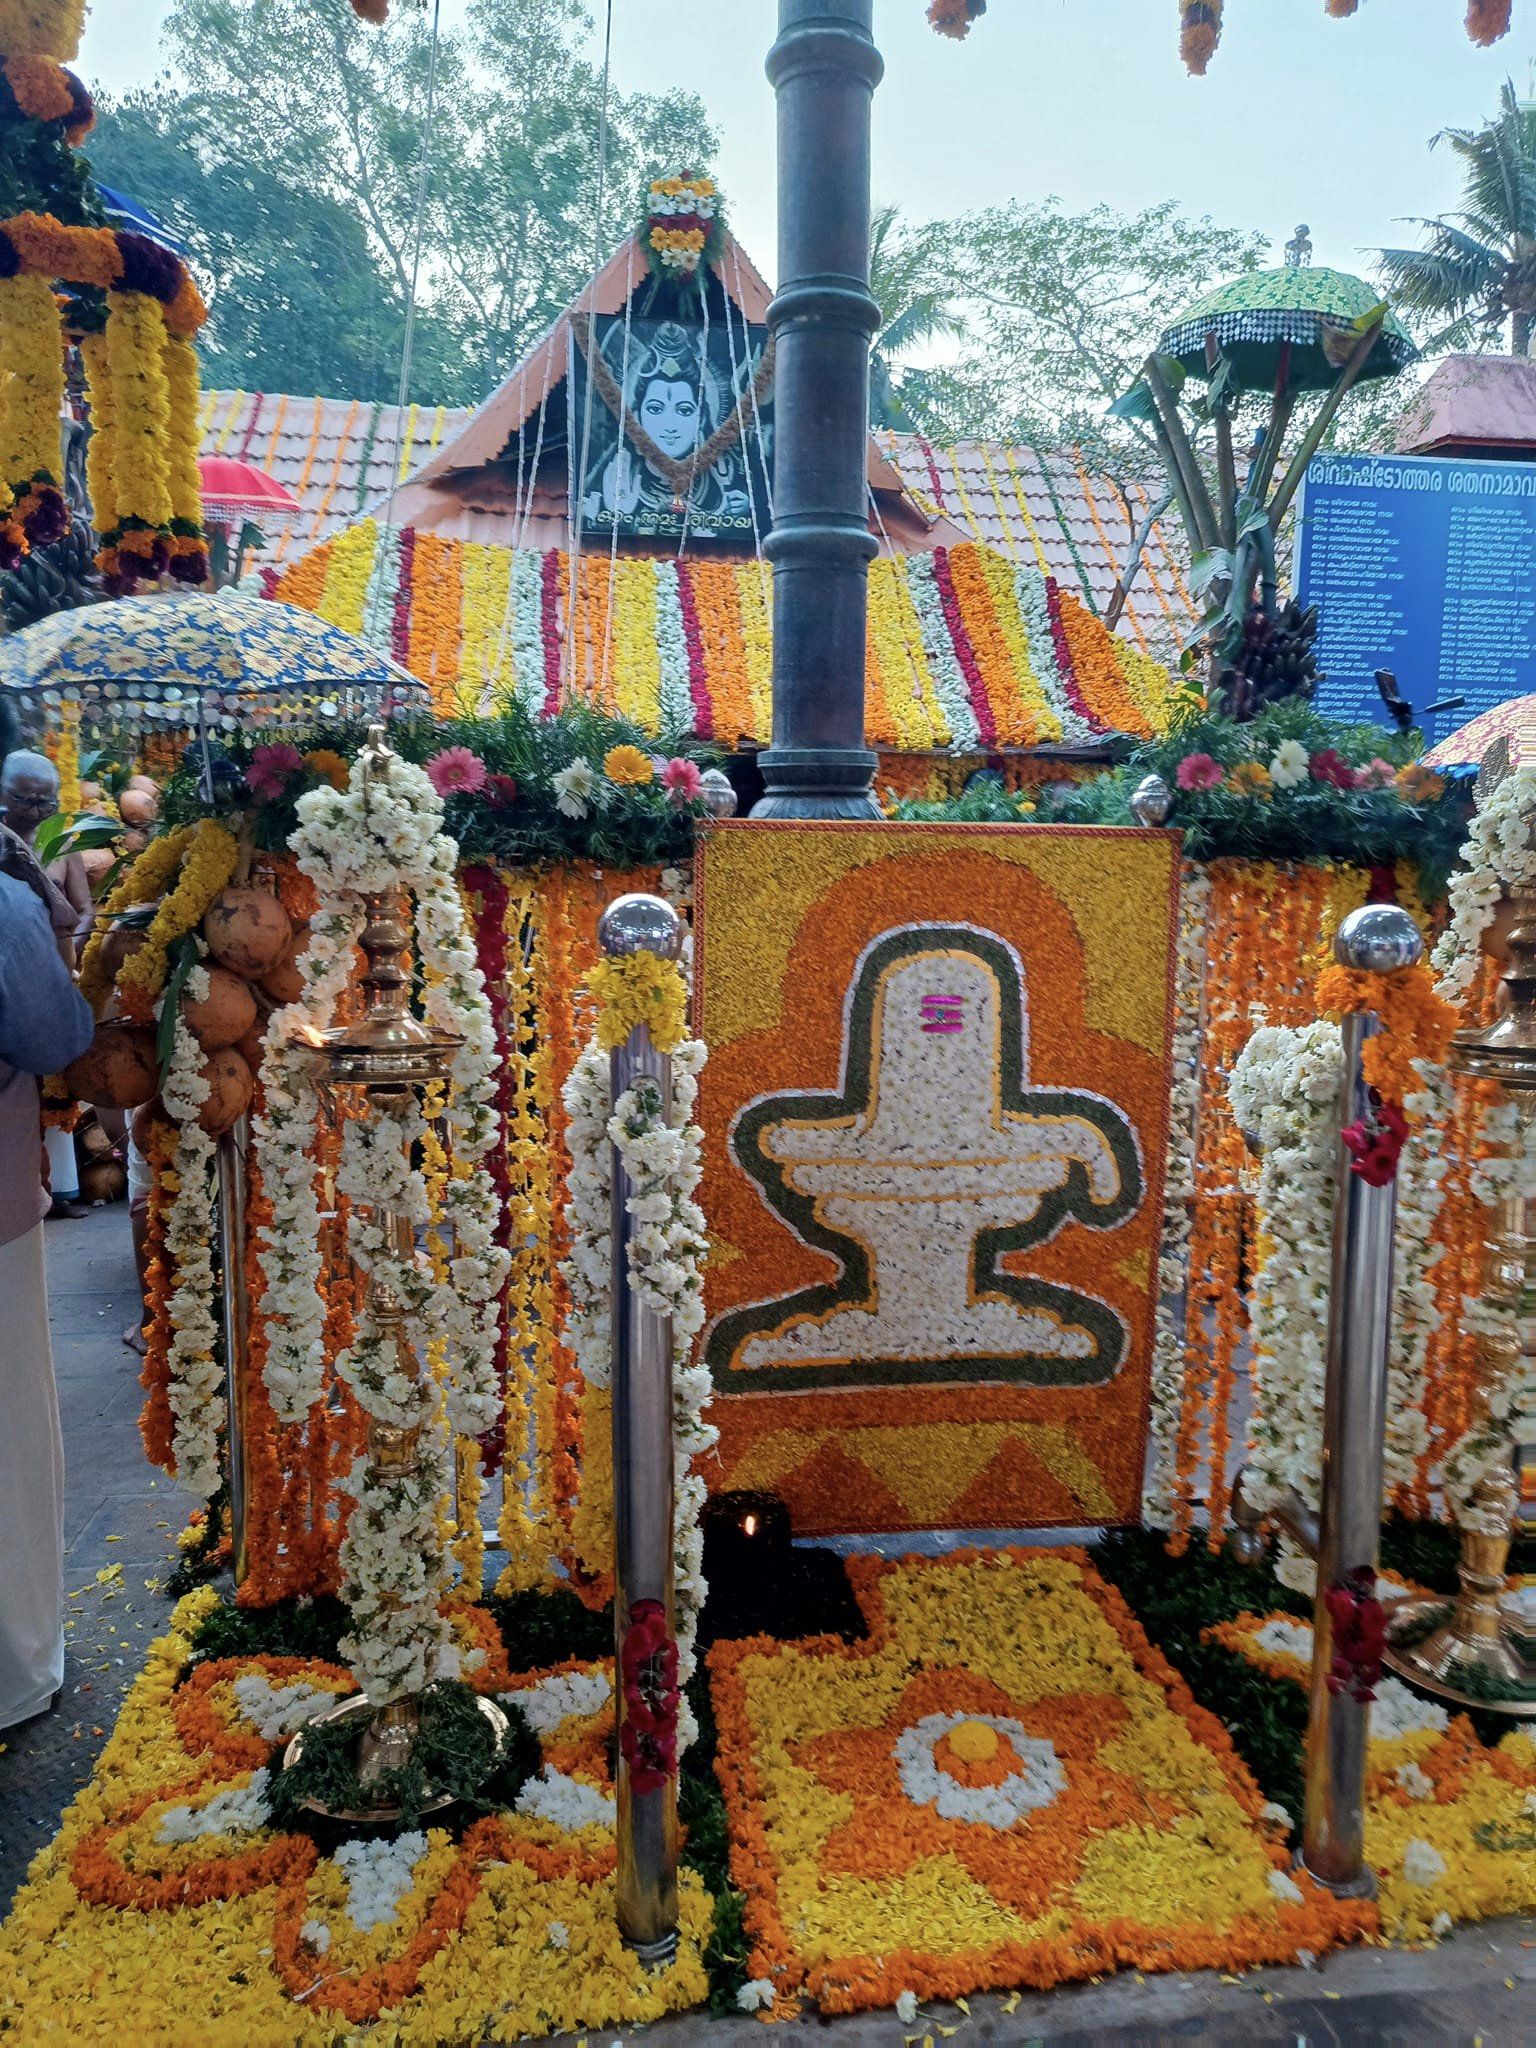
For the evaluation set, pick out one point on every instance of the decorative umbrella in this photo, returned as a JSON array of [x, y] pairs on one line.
[[1300, 320], [234, 491], [1514, 722], [191, 659]]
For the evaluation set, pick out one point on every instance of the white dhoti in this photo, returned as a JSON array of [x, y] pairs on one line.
[[31, 1489]]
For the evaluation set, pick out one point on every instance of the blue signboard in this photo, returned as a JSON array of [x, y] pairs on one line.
[[1426, 567]]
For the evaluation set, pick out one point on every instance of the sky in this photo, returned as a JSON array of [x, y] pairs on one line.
[[1300, 118]]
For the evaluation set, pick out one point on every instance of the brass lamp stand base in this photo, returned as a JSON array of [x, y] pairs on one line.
[[1472, 1655], [385, 1739]]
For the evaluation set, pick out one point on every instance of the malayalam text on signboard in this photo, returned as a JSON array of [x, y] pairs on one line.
[[1424, 566]]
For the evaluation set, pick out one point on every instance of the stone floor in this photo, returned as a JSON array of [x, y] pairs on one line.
[[1477, 1989]]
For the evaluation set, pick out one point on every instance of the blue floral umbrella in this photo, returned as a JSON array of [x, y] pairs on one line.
[[218, 662]]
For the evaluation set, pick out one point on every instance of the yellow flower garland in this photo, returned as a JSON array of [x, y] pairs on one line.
[[141, 402], [144, 881], [32, 395], [210, 861], [183, 480], [640, 989], [67, 760]]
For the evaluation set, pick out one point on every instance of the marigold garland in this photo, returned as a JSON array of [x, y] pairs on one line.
[[31, 401], [1417, 1022]]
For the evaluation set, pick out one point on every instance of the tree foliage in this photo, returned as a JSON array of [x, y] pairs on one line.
[[284, 142], [1478, 264]]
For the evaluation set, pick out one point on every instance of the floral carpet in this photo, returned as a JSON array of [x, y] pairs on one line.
[[167, 1910], [1450, 1822], [1005, 1785]]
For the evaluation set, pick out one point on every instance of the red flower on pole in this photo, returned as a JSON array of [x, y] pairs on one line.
[[648, 1677], [1375, 1143], [1359, 1623]]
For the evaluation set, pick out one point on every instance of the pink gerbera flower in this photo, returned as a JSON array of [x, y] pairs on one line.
[[682, 781], [1199, 771], [456, 772], [272, 767]]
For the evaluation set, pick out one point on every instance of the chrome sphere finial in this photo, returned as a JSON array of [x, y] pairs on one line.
[[719, 797], [1379, 937], [640, 924], [1151, 800]]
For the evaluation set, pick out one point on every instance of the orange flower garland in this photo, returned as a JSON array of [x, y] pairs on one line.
[[1417, 1022]]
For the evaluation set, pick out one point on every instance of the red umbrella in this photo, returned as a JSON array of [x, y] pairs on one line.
[[234, 491]]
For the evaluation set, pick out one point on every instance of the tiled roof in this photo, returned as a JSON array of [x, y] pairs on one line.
[[1050, 509], [336, 455]]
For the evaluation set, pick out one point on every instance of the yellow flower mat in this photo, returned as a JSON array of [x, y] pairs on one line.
[[1450, 1824], [1005, 1785], [146, 1921]]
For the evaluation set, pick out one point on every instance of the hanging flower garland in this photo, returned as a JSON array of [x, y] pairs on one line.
[[1178, 1198], [1284, 1090], [661, 1158], [1497, 858], [31, 400], [195, 1376], [385, 832]]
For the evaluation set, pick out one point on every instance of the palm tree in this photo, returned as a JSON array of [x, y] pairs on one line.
[[1479, 264], [906, 279]]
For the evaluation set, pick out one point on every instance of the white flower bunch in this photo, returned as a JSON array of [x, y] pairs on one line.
[[1178, 1197], [677, 711], [275, 1711], [567, 1803], [236, 1810], [549, 1701], [378, 1875], [1422, 1863], [372, 835], [196, 1378]]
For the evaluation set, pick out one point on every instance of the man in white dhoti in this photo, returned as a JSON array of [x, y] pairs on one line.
[[44, 1023]]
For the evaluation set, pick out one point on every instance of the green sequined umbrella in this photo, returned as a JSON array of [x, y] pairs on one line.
[[1303, 318]]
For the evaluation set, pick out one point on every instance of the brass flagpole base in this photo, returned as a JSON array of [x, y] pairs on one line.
[[1471, 1655], [386, 1738]]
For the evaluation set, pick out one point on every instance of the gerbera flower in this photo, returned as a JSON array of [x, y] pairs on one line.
[[682, 781], [272, 767], [456, 772], [627, 765], [1198, 771], [575, 788], [1289, 766]]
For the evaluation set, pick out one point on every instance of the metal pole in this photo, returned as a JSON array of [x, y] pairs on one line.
[[235, 1316], [824, 69], [1378, 939], [642, 1471]]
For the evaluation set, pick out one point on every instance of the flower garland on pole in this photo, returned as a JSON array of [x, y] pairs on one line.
[[668, 1247]]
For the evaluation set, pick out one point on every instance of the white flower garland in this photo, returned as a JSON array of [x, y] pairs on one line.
[[196, 1378], [1497, 856], [1284, 1090], [948, 682], [283, 1133], [1178, 1197], [662, 1162], [373, 837], [677, 712]]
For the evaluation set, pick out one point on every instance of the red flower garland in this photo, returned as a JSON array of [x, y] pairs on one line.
[[1064, 662], [698, 680], [550, 627], [965, 654], [1359, 1635], [400, 621]]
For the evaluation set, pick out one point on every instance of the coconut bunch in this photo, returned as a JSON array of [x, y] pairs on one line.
[[250, 953]]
